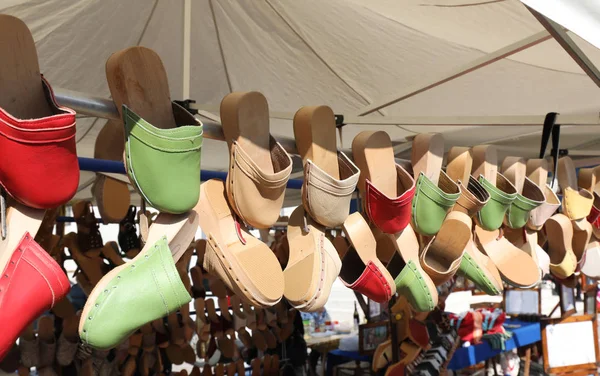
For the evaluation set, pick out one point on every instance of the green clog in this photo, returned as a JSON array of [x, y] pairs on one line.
[[412, 284], [472, 271], [519, 211], [131, 295], [164, 164], [491, 216], [431, 203]]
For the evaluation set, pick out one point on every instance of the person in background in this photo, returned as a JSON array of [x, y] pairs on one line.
[[318, 319]]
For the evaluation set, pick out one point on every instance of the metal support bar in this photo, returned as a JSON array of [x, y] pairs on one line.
[[561, 36], [449, 76], [105, 108]]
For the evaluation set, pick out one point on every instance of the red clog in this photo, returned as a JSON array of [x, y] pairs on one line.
[[39, 158], [31, 283], [372, 284], [390, 215]]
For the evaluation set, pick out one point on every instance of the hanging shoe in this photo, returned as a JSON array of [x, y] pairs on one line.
[[239, 259], [259, 167], [163, 141], [537, 171], [142, 290], [559, 231], [31, 283], [330, 177], [529, 195], [313, 264], [38, 147], [502, 192], [88, 232], [129, 241], [361, 269], [386, 189], [442, 257], [473, 196], [400, 254], [436, 193], [577, 203]]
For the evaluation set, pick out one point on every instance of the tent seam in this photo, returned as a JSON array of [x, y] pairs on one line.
[[221, 51], [367, 100], [147, 23], [473, 49]]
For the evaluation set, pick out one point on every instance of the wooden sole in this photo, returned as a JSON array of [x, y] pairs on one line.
[[485, 162], [245, 119], [22, 93], [137, 78], [374, 155], [315, 134], [567, 175], [515, 170], [537, 171], [179, 229], [459, 164], [427, 155]]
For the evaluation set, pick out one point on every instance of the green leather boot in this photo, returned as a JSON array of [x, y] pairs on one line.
[[164, 164], [131, 295]]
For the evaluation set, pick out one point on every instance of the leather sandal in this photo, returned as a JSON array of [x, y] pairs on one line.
[[529, 195], [386, 189], [148, 287], [330, 177], [88, 232], [313, 264], [516, 267], [162, 140], [361, 269], [537, 171], [259, 167], [559, 231], [577, 203], [38, 148], [472, 195], [502, 192], [442, 257], [436, 193], [240, 260]]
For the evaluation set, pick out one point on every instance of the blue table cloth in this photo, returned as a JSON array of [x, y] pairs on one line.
[[337, 357], [524, 333]]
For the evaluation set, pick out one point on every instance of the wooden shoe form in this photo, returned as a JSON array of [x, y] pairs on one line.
[[427, 155], [581, 237], [315, 135], [211, 310], [236, 305], [256, 364], [460, 164], [197, 282], [591, 264], [224, 309]]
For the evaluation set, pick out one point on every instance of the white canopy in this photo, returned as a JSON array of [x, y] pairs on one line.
[[349, 54]]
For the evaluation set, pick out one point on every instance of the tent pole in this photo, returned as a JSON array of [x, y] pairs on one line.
[[451, 75], [187, 29], [569, 45]]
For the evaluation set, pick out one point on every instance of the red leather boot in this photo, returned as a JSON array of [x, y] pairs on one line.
[[30, 284]]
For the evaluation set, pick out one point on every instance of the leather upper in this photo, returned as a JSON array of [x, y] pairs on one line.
[[577, 204], [566, 267], [30, 284], [432, 202], [372, 284], [327, 200], [595, 211], [491, 216], [257, 196], [410, 283], [164, 164], [519, 211], [539, 215], [39, 159], [145, 289], [472, 197], [474, 272], [390, 215]]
